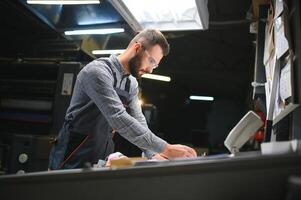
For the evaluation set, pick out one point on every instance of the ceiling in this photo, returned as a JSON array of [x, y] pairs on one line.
[[218, 61]]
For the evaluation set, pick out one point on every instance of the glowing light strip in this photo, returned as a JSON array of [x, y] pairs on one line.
[[157, 77], [108, 51], [63, 2], [201, 98], [95, 31]]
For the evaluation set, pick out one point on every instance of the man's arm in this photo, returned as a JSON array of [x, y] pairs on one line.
[[170, 151], [98, 85], [136, 112]]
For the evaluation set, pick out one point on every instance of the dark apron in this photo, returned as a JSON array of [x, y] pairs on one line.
[[81, 142], [121, 144]]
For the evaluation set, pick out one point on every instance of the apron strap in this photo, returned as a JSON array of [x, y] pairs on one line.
[[127, 84]]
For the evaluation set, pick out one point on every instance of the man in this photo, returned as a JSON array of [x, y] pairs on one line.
[[105, 100]]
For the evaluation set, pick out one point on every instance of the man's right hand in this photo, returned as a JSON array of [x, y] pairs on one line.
[[171, 151]]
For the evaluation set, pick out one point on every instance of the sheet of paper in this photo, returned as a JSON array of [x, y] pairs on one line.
[[269, 87], [281, 43], [267, 95], [269, 38], [285, 82], [277, 104], [270, 68], [67, 84], [278, 8], [269, 44]]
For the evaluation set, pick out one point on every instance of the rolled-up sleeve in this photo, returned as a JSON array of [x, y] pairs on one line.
[[98, 85]]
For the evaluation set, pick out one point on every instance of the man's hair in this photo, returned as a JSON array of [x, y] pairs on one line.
[[151, 37]]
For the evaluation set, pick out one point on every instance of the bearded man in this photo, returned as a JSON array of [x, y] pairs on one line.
[[105, 101]]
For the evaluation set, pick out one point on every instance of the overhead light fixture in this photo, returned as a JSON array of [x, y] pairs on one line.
[[157, 77], [63, 2], [108, 51], [95, 31], [171, 15], [201, 98]]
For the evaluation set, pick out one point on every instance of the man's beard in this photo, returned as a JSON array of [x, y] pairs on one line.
[[134, 64]]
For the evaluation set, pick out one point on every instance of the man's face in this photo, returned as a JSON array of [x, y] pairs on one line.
[[145, 61]]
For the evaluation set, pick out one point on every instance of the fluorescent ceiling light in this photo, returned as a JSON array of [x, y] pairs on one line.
[[201, 98], [63, 2], [156, 77], [95, 31], [171, 15], [108, 51]]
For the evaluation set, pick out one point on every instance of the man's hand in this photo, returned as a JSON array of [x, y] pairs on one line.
[[158, 156], [114, 156], [171, 151]]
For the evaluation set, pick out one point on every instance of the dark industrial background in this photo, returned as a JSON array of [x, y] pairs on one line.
[[217, 62]]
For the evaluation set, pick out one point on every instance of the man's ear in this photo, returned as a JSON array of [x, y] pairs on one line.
[[137, 46]]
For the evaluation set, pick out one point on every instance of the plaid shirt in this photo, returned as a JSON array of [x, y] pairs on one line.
[[95, 85]]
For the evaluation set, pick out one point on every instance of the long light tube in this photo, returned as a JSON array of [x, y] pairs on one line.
[[95, 31], [108, 51], [201, 98], [63, 2], [157, 77]]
